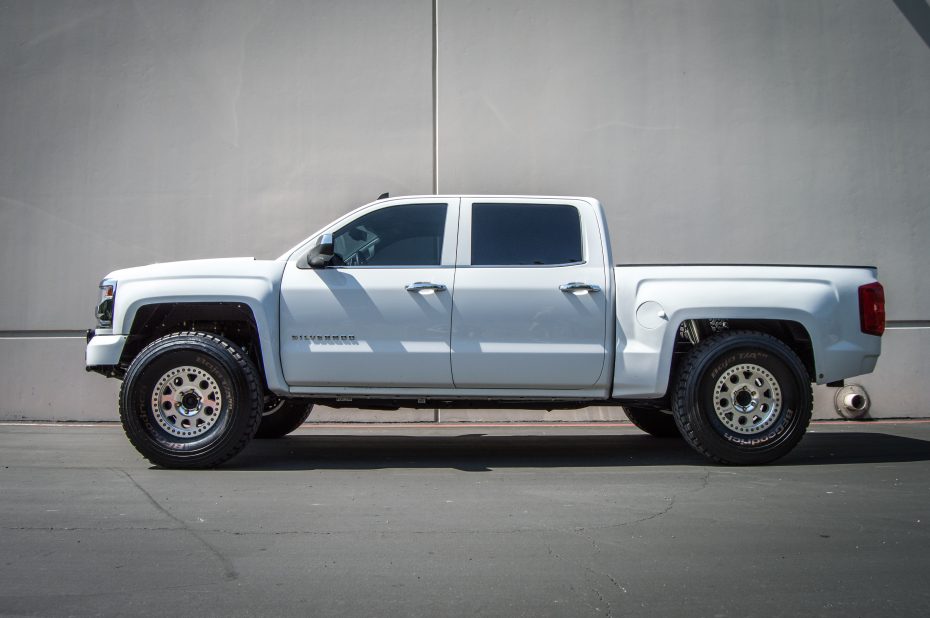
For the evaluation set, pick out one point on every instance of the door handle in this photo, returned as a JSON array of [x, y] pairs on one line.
[[577, 286], [422, 286]]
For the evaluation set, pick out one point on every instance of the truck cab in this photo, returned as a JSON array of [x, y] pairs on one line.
[[531, 284]]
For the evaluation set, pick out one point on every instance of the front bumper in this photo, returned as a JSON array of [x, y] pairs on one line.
[[103, 352]]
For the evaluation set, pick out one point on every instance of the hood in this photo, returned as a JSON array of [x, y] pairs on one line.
[[221, 267]]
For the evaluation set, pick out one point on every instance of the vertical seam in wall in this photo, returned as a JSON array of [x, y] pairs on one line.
[[437, 414], [435, 97]]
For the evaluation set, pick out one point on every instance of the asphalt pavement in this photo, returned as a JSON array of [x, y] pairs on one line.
[[466, 520]]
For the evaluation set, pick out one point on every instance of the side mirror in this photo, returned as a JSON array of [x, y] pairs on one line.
[[320, 256]]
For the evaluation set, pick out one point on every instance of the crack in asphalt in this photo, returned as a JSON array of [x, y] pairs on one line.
[[608, 608], [705, 479], [229, 571]]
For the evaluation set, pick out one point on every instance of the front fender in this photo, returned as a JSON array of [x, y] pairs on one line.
[[255, 284]]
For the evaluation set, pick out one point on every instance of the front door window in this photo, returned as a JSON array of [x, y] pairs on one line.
[[407, 235]]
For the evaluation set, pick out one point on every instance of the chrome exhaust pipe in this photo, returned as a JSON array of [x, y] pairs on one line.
[[852, 402]]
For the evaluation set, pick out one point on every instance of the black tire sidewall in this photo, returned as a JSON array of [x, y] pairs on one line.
[[209, 448]]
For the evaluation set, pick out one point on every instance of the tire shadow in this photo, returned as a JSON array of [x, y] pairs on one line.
[[482, 452]]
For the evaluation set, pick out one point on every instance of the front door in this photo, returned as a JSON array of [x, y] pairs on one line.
[[380, 314]]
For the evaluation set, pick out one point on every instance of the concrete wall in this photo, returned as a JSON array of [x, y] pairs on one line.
[[761, 131]]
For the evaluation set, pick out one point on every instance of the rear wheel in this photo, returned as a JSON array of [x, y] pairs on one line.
[[282, 416], [190, 400], [657, 423], [743, 398]]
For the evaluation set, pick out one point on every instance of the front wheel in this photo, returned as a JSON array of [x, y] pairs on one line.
[[190, 400], [743, 397]]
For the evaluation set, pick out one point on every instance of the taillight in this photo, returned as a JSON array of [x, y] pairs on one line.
[[872, 309]]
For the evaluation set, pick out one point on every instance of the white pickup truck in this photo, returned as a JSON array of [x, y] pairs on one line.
[[477, 301]]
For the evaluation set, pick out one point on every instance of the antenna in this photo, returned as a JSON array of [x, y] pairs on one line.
[[384, 196]]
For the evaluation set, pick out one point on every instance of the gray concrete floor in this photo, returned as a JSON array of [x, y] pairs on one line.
[[467, 520]]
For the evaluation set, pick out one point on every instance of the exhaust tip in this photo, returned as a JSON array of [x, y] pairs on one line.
[[852, 402]]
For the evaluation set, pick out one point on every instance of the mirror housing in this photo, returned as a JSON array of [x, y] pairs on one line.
[[321, 255]]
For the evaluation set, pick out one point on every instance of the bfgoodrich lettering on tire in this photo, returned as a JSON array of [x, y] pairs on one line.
[[190, 400], [743, 397]]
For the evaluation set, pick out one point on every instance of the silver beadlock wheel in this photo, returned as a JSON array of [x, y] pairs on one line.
[[186, 401], [747, 398]]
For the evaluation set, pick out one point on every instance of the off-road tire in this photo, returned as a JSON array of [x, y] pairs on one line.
[[156, 380], [700, 407], [656, 423], [282, 416]]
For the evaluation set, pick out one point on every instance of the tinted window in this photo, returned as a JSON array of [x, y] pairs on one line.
[[525, 234], [409, 235]]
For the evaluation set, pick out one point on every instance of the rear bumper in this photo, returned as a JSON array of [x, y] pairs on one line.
[[855, 356]]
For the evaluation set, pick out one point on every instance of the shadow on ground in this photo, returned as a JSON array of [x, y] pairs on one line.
[[480, 452]]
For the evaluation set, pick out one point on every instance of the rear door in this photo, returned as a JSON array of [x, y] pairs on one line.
[[530, 300]]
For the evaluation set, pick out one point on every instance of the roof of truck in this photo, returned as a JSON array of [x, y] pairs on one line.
[[495, 196]]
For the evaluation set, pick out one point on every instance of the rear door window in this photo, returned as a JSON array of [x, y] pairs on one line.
[[525, 235]]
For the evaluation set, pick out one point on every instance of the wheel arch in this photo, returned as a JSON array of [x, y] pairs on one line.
[[646, 368], [234, 320], [792, 333]]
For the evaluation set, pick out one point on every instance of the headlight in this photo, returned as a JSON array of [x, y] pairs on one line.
[[104, 310]]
